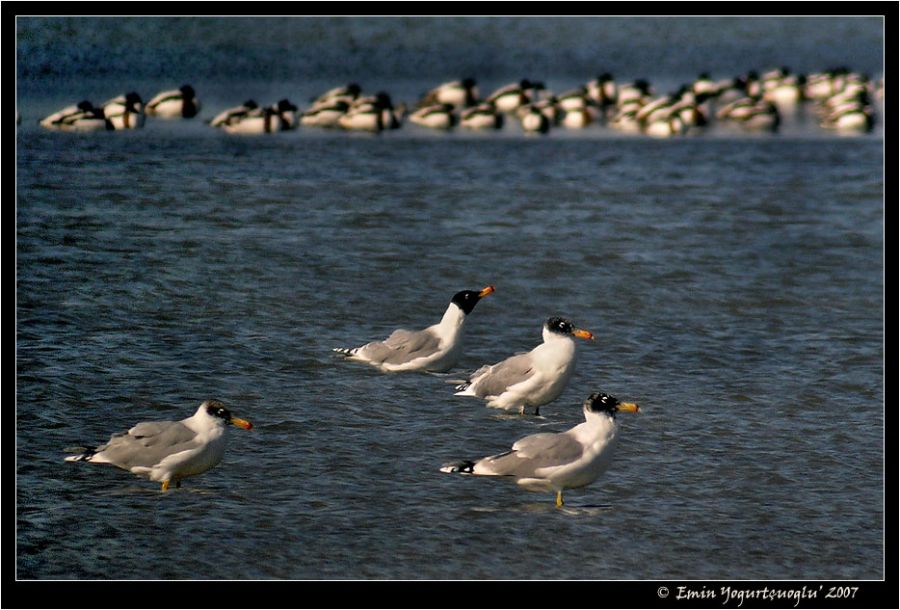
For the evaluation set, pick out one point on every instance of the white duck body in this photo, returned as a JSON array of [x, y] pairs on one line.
[[459, 94], [234, 114], [368, 118], [535, 121], [665, 126], [58, 118], [177, 103], [257, 122], [82, 117], [125, 111], [324, 115], [483, 116], [438, 116]]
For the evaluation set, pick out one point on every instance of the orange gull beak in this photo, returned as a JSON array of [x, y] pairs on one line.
[[583, 334], [240, 423]]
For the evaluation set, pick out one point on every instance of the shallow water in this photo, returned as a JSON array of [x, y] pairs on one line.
[[734, 283]]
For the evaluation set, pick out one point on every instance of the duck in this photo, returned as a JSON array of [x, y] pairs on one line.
[[783, 89], [343, 93], [125, 111], [270, 119], [704, 84], [482, 116], [751, 114], [637, 91], [578, 118], [176, 103], [372, 113], [325, 114], [533, 120], [549, 107], [852, 117], [665, 125], [287, 114], [437, 116], [81, 117], [573, 99], [602, 91], [625, 116], [510, 97], [693, 109], [234, 114], [459, 94]]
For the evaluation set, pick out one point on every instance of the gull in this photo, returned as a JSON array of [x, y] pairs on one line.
[[435, 349], [169, 451], [555, 462], [530, 379]]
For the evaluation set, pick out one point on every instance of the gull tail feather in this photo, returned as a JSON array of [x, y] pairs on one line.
[[462, 389], [346, 351], [84, 456], [462, 467]]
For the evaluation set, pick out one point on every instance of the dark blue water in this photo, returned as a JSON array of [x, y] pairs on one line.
[[734, 283]]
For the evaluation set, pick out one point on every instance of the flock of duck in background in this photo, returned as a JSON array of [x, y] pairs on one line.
[[841, 100]]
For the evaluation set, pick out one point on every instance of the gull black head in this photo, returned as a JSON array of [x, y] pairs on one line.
[[601, 402], [561, 326], [468, 299], [215, 408]]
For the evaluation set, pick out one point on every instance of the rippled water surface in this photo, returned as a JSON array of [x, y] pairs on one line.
[[734, 284]]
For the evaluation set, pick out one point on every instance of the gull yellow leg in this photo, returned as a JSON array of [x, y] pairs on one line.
[[165, 485], [559, 499]]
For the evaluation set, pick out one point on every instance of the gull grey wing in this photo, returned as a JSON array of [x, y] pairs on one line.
[[402, 346], [553, 448], [147, 444], [493, 380], [531, 454], [154, 428]]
